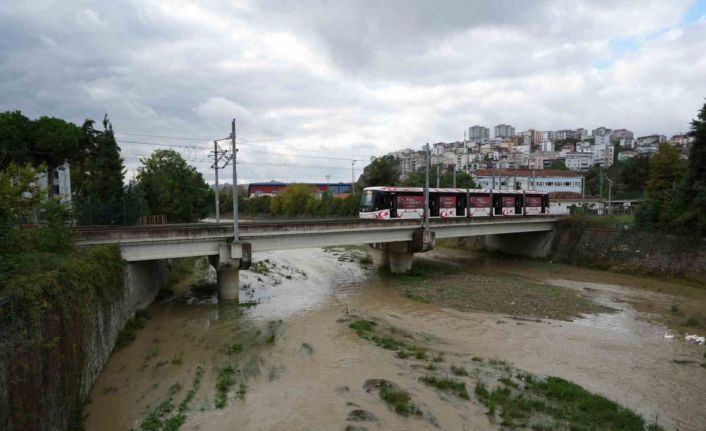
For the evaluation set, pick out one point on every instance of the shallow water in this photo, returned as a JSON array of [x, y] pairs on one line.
[[311, 374]]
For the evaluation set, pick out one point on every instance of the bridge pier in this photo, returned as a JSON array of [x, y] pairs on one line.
[[231, 258], [380, 256], [398, 255]]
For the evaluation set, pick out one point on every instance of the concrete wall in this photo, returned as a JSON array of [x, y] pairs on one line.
[[528, 244], [93, 334], [141, 284], [607, 247], [603, 246]]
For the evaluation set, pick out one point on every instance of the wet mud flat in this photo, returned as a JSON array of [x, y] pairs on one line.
[[295, 355]]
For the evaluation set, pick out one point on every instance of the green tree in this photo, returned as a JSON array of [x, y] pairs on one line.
[[19, 196], [14, 139], [689, 208], [173, 188], [292, 201], [53, 141], [100, 195], [634, 173], [417, 179], [135, 204], [558, 164], [383, 171], [666, 171]]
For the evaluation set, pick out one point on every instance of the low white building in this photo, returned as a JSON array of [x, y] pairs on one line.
[[564, 202], [578, 161], [625, 155], [61, 186], [543, 180]]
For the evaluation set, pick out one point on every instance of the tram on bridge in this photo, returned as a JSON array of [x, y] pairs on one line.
[[408, 203]]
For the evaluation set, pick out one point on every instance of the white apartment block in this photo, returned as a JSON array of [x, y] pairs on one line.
[[579, 161], [603, 154], [602, 140], [504, 131], [477, 133]]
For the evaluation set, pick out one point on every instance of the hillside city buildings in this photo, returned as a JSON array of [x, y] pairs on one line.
[[528, 160]]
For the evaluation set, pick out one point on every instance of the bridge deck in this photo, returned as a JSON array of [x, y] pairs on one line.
[[200, 239]]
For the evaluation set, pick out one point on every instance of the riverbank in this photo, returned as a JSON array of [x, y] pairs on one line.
[[64, 316], [289, 358]]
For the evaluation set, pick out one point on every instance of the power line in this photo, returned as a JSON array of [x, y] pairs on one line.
[[207, 140], [193, 147], [346, 168]]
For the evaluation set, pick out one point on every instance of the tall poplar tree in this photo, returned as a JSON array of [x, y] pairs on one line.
[[689, 208]]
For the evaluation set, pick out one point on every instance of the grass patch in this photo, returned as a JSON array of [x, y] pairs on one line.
[[444, 384], [362, 326], [458, 371], [225, 380], [502, 293], [168, 416], [234, 349], [132, 327], [260, 267], [691, 322], [153, 352], [247, 304], [566, 404], [242, 390], [398, 400]]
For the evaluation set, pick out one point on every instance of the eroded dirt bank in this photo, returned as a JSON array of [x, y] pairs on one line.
[[295, 357]]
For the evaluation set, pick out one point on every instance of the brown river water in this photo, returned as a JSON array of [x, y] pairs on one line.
[[302, 368]]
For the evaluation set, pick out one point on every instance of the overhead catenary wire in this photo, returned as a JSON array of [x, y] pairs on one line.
[[208, 151], [249, 144]]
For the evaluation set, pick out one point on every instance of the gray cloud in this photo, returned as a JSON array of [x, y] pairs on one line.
[[353, 77]]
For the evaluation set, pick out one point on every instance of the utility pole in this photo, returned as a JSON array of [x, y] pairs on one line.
[[600, 182], [352, 175], [610, 195], [215, 166], [236, 233], [438, 174], [218, 156], [583, 192], [426, 189], [454, 175]]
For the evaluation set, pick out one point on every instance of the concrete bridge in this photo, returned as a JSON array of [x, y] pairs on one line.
[[393, 243]]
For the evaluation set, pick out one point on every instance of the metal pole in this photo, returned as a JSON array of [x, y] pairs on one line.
[[454, 175], [215, 166], [426, 189], [352, 174], [438, 174], [236, 232], [610, 194], [583, 192], [600, 192]]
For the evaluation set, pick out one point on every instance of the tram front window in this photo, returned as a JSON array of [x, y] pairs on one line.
[[366, 200]]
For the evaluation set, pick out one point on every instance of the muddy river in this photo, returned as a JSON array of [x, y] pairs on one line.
[[287, 358]]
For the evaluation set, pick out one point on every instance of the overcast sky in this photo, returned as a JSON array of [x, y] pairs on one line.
[[344, 79]]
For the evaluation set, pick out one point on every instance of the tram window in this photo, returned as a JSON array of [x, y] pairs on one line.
[[382, 201], [366, 200]]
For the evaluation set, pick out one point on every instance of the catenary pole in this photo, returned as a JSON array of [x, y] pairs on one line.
[[215, 167], [236, 233], [426, 189]]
